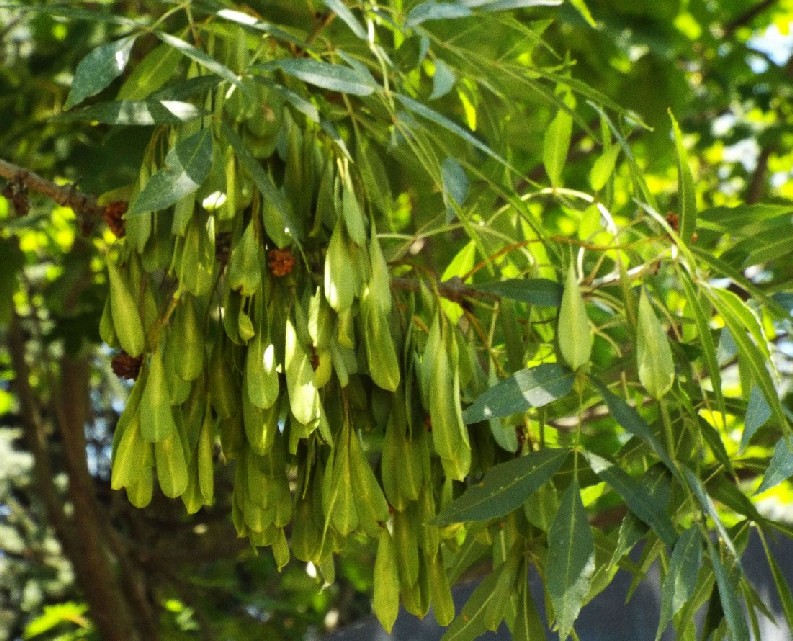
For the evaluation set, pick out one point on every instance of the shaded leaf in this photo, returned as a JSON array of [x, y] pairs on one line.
[[536, 291], [636, 497], [728, 596], [507, 5], [442, 80], [782, 587], [780, 467], [709, 508], [527, 388], [681, 577], [341, 10], [630, 419], [505, 487], [186, 166], [442, 121], [98, 69], [571, 559], [757, 414], [455, 186]]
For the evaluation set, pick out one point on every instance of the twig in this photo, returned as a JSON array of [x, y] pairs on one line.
[[746, 17], [84, 205]]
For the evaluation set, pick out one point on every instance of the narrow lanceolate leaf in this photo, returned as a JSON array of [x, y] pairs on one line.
[[535, 291], [98, 69], [573, 331], [505, 487], [327, 76], [728, 596], [136, 112], [436, 11], [757, 414], [527, 388], [632, 421], [603, 168], [685, 187], [340, 9], [636, 497], [781, 466], [709, 508], [681, 578], [202, 58], [744, 328], [556, 145], [473, 621], [508, 5], [653, 354], [571, 560], [422, 110], [386, 582], [527, 626], [186, 166], [782, 587]]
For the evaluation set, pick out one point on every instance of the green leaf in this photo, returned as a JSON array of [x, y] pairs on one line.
[[508, 5], [780, 467], [442, 80], [630, 419], [451, 126], [571, 559], [533, 387], [603, 168], [728, 596], [455, 186], [757, 414], [681, 577], [341, 10], [702, 321], [136, 112], [436, 11], [685, 187], [556, 144], [325, 75], [582, 8], [573, 332], [186, 166], [653, 354], [98, 69], [56, 615], [505, 487], [202, 58], [150, 74], [636, 497], [709, 508], [782, 587], [527, 626], [477, 613], [273, 196], [740, 321], [535, 291]]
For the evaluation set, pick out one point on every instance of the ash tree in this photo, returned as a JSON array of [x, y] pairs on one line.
[[391, 273]]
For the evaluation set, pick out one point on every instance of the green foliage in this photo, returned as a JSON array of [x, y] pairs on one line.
[[409, 274]]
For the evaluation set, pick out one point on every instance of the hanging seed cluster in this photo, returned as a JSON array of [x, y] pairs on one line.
[[260, 313]]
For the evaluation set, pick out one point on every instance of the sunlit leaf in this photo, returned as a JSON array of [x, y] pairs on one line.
[[556, 145], [325, 75], [505, 487], [98, 69], [186, 166], [685, 187], [136, 112], [533, 387]]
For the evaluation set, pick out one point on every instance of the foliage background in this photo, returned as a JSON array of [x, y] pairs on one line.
[[710, 62]]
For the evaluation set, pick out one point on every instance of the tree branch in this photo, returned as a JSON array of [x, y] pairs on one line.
[[746, 17], [84, 205]]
